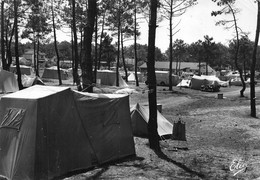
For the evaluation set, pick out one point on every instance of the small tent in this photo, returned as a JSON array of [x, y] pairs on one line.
[[184, 83], [197, 81], [46, 132], [28, 81], [8, 82], [108, 77], [140, 119], [131, 77], [52, 73]]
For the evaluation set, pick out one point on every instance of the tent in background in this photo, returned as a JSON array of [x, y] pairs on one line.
[[52, 73], [214, 78], [8, 82], [108, 77], [140, 118], [184, 83], [27, 70], [197, 81], [28, 81], [47, 131], [131, 77]]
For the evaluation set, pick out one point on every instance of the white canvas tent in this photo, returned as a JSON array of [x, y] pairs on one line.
[[8, 82], [140, 119], [131, 77], [28, 81], [108, 77], [184, 83], [46, 132]]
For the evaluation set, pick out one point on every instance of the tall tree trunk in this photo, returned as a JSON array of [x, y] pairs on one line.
[[236, 55], [101, 38], [252, 74], [170, 47], [37, 54], [2, 37], [96, 49], [55, 45], [34, 57], [81, 46], [18, 70], [87, 72], [8, 48], [152, 124], [118, 45], [135, 48], [123, 57], [75, 71], [72, 54]]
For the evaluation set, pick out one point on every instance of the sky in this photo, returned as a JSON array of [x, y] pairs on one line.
[[198, 22]]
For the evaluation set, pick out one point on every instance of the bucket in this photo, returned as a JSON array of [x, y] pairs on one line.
[[220, 96]]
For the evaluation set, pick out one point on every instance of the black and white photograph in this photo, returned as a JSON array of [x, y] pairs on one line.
[[130, 90]]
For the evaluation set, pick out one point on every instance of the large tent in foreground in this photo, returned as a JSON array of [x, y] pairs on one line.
[[140, 119], [108, 77], [8, 82], [47, 132]]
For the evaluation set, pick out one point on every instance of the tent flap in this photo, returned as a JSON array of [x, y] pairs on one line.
[[13, 118]]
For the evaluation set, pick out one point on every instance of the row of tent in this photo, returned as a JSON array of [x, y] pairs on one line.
[[105, 77], [197, 81], [48, 131]]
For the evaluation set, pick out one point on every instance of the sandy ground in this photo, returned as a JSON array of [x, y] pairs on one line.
[[223, 141]]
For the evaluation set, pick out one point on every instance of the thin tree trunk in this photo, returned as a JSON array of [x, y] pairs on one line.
[[55, 45], [37, 54], [152, 124], [123, 57], [34, 57], [236, 55], [170, 64], [2, 37], [8, 48], [135, 49], [118, 46], [252, 74], [72, 55], [87, 72], [96, 49], [75, 72], [18, 70], [101, 38]]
